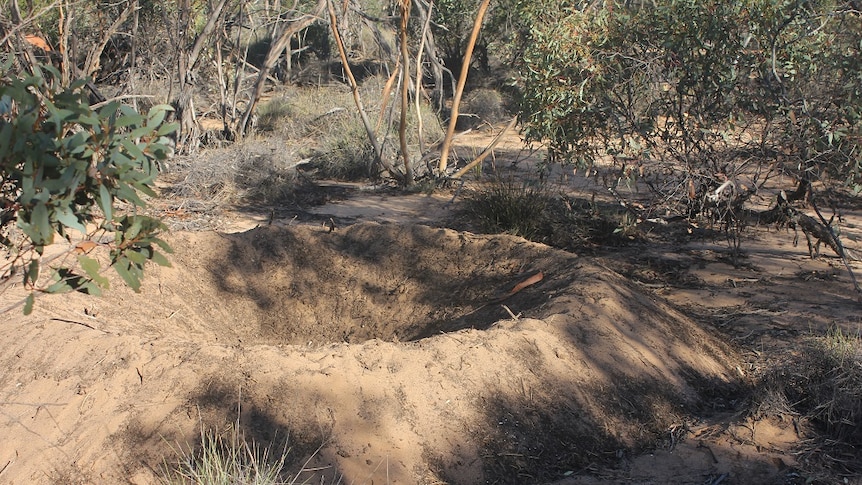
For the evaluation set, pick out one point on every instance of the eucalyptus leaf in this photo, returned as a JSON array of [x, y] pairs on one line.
[[28, 303]]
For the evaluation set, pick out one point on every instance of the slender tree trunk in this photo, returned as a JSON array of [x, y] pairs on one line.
[[462, 80], [272, 57], [189, 133], [405, 103], [417, 90], [369, 130], [91, 64]]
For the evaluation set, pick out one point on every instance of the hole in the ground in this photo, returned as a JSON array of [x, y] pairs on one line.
[[369, 281]]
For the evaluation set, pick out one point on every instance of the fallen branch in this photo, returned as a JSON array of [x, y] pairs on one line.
[[835, 243]]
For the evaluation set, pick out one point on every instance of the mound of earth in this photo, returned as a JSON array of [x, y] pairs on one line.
[[399, 350]]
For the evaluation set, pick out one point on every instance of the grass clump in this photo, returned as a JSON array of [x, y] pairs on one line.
[[822, 386], [509, 207], [486, 105], [531, 211], [247, 172], [344, 152], [227, 460], [830, 385], [274, 113]]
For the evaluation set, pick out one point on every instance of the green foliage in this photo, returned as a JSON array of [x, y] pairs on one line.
[[692, 84], [79, 173]]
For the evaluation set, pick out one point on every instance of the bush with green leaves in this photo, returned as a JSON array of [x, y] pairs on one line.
[[696, 92], [79, 173]]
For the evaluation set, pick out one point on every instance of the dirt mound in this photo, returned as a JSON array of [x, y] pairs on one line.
[[395, 346]]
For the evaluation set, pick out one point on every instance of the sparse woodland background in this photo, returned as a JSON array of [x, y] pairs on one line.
[[729, 114], [703, 103]]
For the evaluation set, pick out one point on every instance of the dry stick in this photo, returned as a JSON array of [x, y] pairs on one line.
[[133, 57], [387, 89], [203, 38], [64, 26], [462, 80], [120, 98], [189, 131], [418, 86], [437, 67], [354, 87], [222, 86], [487, 151], [405, 102], [238, 72], [29, 58], [91, 64]]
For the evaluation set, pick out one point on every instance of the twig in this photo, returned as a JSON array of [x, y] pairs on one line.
[[75, 322], [119, 98], [8, 462], [511, 314]]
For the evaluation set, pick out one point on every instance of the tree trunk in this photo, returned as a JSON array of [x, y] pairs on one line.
[[405, 104], [271, 60]]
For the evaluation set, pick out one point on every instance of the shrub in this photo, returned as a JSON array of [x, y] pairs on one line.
[[823, 385], [485, 104], [698, 90], [79, 173], [530, 210], [510, 207]]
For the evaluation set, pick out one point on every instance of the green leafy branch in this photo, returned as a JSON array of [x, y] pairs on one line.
[[80, 173]]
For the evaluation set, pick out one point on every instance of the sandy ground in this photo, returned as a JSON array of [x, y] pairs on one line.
[[386, 352]]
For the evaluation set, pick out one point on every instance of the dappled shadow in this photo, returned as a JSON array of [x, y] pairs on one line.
[[391, 282]]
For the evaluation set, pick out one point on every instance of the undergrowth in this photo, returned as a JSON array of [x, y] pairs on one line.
[[534, 212], [822, 386], [335, 140], [228, 458]]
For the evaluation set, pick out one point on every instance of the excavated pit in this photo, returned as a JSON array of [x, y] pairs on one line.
[[304, 285], [388, 343]]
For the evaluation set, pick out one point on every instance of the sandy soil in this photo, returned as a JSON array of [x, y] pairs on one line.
[[395, 353]]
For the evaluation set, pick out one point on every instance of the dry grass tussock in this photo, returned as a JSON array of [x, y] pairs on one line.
[[533, 211], [229, 457], [820, 388], [255, 172], [308, 129]]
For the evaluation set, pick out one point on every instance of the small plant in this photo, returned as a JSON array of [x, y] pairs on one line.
[[822, 385], [271, 113], [486, 105], [227, 460], [345, 153], [507, 206], [834, 385]]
